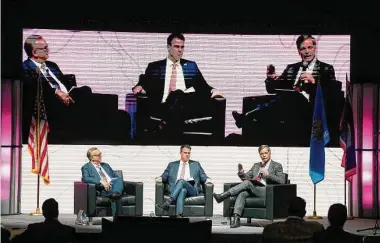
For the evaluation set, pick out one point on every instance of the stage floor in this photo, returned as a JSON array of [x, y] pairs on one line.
[[220, 224]]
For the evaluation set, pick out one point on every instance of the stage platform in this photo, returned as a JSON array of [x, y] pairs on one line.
[[221, 232]]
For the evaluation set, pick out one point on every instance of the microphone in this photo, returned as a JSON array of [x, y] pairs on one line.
[[304, 66]]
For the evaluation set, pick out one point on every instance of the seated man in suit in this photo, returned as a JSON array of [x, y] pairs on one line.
[[51, 230], [66, 105], [337, 216], [296, 88], [175, 87], [107, 182], [295, 228], [184, 177], [266, 172]]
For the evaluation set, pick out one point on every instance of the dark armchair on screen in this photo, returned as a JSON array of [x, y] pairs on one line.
[[207, 129], [198, 206], [87, 198], [273, 206]]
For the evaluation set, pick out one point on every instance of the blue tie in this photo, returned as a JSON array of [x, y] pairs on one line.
[[49, 77]]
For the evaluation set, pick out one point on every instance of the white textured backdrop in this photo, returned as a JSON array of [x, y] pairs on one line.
[[111, 62], [144, 163]]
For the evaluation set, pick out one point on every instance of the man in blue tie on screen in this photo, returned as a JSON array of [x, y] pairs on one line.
[[67, 105]]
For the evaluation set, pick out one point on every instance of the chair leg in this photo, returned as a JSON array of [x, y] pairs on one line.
[[249, 220]]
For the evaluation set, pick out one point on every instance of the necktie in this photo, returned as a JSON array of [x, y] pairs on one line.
[[258, 178], [101, 173], [299, 84], [49, 77], [183, 171], [173, 79]]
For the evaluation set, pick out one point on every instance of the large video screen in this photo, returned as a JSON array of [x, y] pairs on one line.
[[103, 87]]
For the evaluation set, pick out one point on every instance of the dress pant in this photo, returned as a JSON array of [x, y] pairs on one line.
[[181, 190], [242, 191], [117, 186]]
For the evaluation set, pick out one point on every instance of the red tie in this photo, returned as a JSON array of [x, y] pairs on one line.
[[183, 171], [173, 79], [258, 178]]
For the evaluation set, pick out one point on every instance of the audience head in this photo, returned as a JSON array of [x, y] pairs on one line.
[[185, 152], [50, 209], [36, 48], [337, 215], [175, 44], [297, 207], [265, 154]]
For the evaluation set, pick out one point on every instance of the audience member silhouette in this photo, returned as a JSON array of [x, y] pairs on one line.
[[5, 235], [294, 228], [49, 231], [337, 216]]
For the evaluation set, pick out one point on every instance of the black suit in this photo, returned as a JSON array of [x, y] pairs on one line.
[[64, 120], [322, 72], [179, 106], [336, 235], [50, 231]]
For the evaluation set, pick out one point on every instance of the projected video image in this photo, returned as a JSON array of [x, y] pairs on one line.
[[102, 87]]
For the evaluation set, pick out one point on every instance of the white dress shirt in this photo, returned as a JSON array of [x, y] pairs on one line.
[[180, 84], [44, 72], [187, 171], [262, 179], [97, 168], [309, 69]]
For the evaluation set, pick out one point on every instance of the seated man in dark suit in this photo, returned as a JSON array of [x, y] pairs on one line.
[[296, 88], [335, 233], [107, 182], [175, 87], [51, 230], [184, 177], [294, 228], [67, 106], [266, 172]]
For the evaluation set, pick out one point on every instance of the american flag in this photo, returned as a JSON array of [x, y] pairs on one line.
[[347, 135], [38, 142]]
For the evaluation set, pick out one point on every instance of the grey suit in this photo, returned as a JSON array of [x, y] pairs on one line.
[[246, 188]]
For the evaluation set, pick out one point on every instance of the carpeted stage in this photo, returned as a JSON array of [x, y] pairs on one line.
[[221, 232]]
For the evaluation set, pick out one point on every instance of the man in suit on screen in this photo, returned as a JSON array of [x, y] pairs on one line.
[[184, 177], [266, 172], [295, 91], [67, 106], [175, 87]]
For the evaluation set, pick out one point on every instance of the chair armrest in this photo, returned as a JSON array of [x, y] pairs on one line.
[[227, 202], [209, 198], [136, 189], [85, 198], [159, 198], [278, 197]]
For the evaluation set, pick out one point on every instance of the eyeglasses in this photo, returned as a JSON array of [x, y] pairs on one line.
[[100, 154], [46, 48]]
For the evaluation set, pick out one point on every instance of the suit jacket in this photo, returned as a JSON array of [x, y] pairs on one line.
[[30, 75], [91, 175], [322, 72], [196, 172], [50, 231], [336, 235], [275, 176], [294, 229], [153, 81]]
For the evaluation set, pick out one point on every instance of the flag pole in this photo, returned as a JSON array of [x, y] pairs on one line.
[[315, 216], [37, 212], [349, 216]]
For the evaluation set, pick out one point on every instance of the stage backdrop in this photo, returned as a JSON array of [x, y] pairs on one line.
[[111, 62], [144, 163]]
